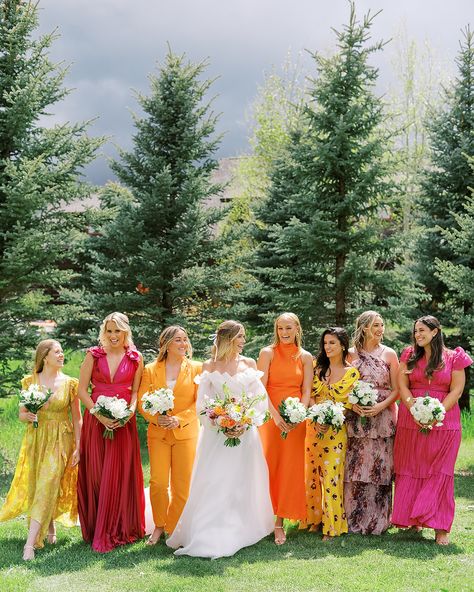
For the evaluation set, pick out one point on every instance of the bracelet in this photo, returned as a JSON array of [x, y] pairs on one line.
[[409, 399], [93, 410]]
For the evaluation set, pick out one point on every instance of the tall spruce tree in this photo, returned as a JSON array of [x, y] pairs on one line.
[[325, 245], [447, 180], [39, 174], [458, 275], [154, 259]]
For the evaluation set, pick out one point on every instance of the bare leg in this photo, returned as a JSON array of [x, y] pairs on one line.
[[155, 537], [52, 533], [441, 537], [280, 536], [29, 548]]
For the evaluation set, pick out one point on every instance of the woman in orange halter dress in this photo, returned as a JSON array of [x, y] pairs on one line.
[[288, 372]]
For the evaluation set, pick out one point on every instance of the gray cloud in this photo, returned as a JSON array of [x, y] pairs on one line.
[[113, 45]]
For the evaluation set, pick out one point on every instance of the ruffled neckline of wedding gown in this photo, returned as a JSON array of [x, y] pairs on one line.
[[244, 377]]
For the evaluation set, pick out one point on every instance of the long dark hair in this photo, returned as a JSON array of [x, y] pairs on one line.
[[436, 361], [322, 360]]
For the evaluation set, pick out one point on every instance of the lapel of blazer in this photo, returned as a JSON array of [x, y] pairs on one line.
[[160, 374], [181, 375]]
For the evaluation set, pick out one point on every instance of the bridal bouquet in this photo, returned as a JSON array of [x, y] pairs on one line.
[[112, 408], [231, 413], [363, 394], [160, 401], [33, 398], [428, 410], [327, 413], [292, 411]]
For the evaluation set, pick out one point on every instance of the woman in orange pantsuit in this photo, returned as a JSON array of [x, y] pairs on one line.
[[288, 372], [171, 438]]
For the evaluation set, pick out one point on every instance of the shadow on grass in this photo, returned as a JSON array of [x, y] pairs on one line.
[[74, 556], [71, 554]]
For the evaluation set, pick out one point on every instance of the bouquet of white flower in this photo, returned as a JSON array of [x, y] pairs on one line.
[[293, 411], [160, 401], [33, 398], [363, 394], [113, 408], [327, 413], [428, 411]]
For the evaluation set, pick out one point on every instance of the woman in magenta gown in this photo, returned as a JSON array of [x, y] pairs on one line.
[[110, 482], [424, 463]]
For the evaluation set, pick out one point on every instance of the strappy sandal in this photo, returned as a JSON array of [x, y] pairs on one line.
[[28, 553], [52, 538], [442, 538], [151, 542], [280, 540]]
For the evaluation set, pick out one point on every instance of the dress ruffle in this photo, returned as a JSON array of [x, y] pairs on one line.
[[99, 352]]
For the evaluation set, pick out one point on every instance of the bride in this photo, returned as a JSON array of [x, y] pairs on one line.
[[229, 504]]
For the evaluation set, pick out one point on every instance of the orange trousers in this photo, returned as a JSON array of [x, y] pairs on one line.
[[171, 465]]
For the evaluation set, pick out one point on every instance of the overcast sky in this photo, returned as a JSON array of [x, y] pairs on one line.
[[112, 46]]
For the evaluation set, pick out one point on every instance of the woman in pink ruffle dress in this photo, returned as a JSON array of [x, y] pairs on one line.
[[424, 463]]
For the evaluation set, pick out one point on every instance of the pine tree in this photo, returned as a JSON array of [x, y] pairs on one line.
[[39, 175], [326, 248], [458, 275], [449, 177], [154, 259]]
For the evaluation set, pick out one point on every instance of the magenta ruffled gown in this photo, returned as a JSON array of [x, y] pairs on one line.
[[424, 463], [110, 494]]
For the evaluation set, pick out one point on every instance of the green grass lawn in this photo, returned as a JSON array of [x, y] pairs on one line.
[[398, 561]]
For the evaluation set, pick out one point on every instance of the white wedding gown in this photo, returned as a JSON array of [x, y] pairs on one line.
[[229, 504]]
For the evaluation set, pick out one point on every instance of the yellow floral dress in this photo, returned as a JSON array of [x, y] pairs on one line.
[[324, 467], [44, 484]]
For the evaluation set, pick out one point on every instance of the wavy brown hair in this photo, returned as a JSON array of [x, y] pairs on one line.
[[42, 350], [436, 361], [322, 360]]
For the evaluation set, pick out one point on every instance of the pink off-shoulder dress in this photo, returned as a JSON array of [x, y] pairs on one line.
[[110, 492], [424, 463]]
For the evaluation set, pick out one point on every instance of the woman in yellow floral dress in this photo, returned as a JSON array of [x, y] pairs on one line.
[[44, 484], [333, 379]]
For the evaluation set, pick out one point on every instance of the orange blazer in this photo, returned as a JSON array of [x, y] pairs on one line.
[[185, 391]]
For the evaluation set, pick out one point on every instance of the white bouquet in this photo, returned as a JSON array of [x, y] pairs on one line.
[[363, 394], [113, 408], [293, 411], [427, 411], [160, 401], [327, 413], [33, 398]]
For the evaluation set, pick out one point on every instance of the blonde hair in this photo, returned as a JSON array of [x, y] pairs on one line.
[[121, 320], [223, 346], [299, 331], [42, 350], [166, 337], [363, 321]]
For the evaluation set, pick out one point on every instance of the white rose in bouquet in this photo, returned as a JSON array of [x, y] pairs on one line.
[[292, 411], [428, 411]]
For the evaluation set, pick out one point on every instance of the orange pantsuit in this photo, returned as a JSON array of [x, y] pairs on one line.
[[285, 458], [171, 451]]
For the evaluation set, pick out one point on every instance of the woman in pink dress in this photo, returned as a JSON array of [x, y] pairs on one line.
[[424, 463], [110, 492], [369, 461]]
